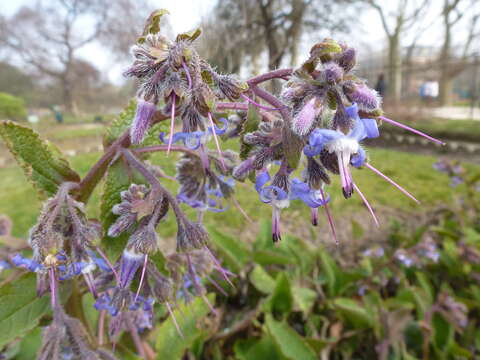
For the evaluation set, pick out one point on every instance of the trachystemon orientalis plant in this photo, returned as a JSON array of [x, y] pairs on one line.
[[315, 125]]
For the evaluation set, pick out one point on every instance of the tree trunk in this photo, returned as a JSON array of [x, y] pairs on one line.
[[446, 80], [394, 86], [67, 93]]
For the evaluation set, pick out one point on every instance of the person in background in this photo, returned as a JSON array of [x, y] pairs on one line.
[[381, 85]]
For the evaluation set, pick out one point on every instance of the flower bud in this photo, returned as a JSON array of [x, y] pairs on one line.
[[303, 121], [141, 122], [347, 59], [367, 99]]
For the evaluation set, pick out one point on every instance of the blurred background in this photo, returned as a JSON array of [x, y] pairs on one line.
[[61, 64]]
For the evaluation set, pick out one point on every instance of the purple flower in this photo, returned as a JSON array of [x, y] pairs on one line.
[[366, 98], [142, 121], [455, 181]]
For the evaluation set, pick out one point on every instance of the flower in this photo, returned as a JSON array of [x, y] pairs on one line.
[[346, 147], [194, 139]]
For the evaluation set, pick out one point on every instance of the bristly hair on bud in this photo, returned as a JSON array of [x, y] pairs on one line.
[[190, 236], [142, 121], [366, 99], [302, 123]]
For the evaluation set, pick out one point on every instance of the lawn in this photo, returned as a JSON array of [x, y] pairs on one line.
[[19, 201]]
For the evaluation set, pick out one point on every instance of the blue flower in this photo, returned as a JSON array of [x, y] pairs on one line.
[[194, 139], [301, 190], [21, 261], [346, 147], [270, 194]]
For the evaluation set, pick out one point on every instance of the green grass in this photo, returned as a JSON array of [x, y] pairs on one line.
[[19, 201], [445, 129]]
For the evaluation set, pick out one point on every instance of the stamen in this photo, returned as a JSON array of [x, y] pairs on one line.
[[276, 236], [216, 140], [367, 204], [329, 218], [204, 297], [141, 277], [237, 205], [314, 215], [216, 285], [260, 105], [172, 124], [169, 308], [109, 264], [187, 72], [411, 129], [224, 272], [378, 172], [90, 283], [53, 288]]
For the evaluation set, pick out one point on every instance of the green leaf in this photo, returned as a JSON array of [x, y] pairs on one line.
[[292, 146], [265, 348], [29, 345], [121, 123], [353, 312], [251, 124], [262, 281], [20, 308], [40, 160], [117, 180], [234, 251], [281, 299], [330, 270], [169, 344], [290, 343], [272, 257], [443, 332], [304, 298]]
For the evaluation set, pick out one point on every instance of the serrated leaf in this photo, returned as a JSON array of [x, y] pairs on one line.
[[121, 123], [117, 180], [20, 308], [169, 344], [234, 251], [353, 312], [41, 161], [290, 343], [262, 281], [250, 125]]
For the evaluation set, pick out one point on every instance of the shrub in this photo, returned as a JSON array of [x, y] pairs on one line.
[[12, 107]]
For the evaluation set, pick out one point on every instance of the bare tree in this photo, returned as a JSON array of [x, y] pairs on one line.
[[450, 66], [395, 23], [252, 27], [124, 24], [48, 35]]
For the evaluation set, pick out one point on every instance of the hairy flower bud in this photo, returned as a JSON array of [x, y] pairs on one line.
[[303, 121], [190, 236], [347, 59], [366, 99], [230, 87], [142, 121], [332, 73]]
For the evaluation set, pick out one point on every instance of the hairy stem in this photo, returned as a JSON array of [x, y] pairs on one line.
[[276, 74]]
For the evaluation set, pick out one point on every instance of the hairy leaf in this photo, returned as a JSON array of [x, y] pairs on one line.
[[20, 308], [262, 281], [121, 123], [41, 161], [251, 124], [117, 180]]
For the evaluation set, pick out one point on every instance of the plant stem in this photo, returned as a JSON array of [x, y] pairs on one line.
[[232, 106], [156, 148], [272, 100], [276, 74]]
